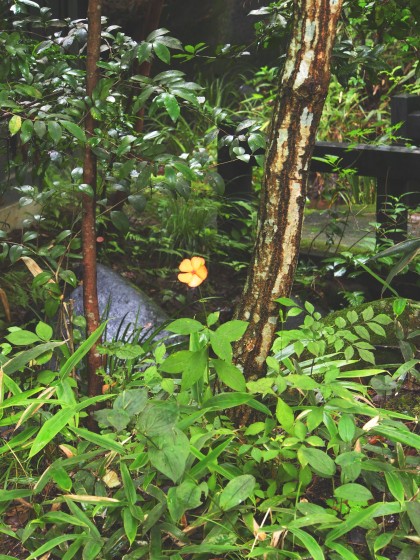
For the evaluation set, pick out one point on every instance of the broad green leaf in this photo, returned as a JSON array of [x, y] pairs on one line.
[[395, 485], [117, 419], [346, 428], [184, 497], [195, 369], [133, 401], [22, 338], [15, 124], [44, 331], [232, 330], [157, 419], [353, 492], [284, 415], [162, 52], [120, 221], [137, 201], [171, 105], [54, 130], [61, 478], [169, 453], [75, 130], [177, 362], [230, 375], [184, 326], [221, 346], [236, 491], [318, 460]]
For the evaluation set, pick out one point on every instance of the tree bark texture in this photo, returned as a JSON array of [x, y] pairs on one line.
[[303, 87], [90, 296]]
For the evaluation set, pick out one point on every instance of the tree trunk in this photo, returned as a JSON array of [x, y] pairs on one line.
[[303, 87], [90, 296]]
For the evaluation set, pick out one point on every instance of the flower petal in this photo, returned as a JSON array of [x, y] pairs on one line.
[[195, 281], [202, 272], [186, 266], [197, 262], [186, 277]]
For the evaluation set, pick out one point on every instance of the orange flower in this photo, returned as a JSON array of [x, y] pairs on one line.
[[193, 271]]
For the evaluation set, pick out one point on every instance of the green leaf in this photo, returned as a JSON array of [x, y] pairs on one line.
[[169, 453], [309, 543], [236, 491], [184, 497], [137, 201], [184, 326], [358, 518], [353, 492], [382, 319], [104, 441], [26, 131], [131, 525], [319, 461], [22, 338], [395, 485], [377, 329], [177, 362], [413, 511], [227, 400], [44, 331], [171, 105], [346, 428], [221, 346], [158, 418], [129, 488], [343, 551], [362, 332], [133, 401], [83, 349], [398, 306], [9, 495], [40, 129], [52, 543], [15, 124], [195, 368], [54, 130], [232, 330], [120, 221], [75, 130], [230, 375], [284, 415], [162, 52], [61, 478]]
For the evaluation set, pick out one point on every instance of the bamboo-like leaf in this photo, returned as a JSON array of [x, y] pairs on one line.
[[83, 349], [309, 543]]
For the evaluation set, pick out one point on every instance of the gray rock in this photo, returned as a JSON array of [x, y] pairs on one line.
[[124, 305]]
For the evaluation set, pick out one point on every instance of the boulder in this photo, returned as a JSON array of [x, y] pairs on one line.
[[126, 307]]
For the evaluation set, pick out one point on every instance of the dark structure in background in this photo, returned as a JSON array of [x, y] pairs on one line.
[[396, 168]]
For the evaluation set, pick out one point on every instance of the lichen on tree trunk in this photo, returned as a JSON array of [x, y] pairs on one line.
[[303, 86]]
